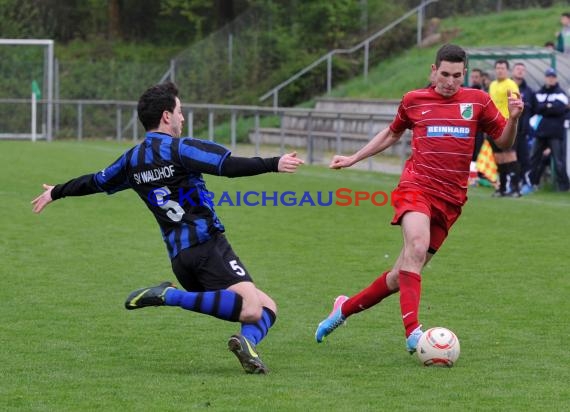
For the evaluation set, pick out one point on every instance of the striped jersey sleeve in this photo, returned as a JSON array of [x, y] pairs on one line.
[[113, 178]]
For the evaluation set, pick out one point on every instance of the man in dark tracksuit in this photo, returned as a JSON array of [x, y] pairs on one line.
[[550, 103], [522, 144]]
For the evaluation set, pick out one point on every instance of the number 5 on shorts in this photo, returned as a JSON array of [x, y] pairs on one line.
[[237, 268]]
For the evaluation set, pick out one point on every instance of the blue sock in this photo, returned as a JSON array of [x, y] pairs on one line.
[[255, 332], [222, 304]]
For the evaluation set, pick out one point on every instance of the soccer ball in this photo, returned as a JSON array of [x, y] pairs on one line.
[[438, 347]]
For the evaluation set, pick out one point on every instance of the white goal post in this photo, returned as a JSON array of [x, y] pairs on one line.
[[48, 79]]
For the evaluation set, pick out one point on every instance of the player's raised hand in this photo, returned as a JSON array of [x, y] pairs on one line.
[[40, 202], [339, 162], [289, 162], [516, 104]]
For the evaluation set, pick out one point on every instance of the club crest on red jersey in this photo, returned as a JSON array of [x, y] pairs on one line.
[[466, 110]]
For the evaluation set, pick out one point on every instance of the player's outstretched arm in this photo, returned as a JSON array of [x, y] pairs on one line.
[[40, 202], [340, 162], [235, 166], [288, 163], [80, 186], [379, 143]]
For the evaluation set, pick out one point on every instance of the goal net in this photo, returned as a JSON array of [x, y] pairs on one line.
[[26, 88]]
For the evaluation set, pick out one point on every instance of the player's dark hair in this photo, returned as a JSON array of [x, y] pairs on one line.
[[450, 53], [154, 101], [502, 61]]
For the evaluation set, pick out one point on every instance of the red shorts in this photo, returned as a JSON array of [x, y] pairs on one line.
[[442, 214]]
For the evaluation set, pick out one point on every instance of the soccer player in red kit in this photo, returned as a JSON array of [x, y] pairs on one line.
[[444, 120]]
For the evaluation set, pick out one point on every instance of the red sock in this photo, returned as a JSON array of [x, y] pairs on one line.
[[367, 297], [410, 291]]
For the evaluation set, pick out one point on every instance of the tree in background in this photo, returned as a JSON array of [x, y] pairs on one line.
[[328, 25], [161, 21]]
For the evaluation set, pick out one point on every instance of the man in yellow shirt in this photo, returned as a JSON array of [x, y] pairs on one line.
[[507, 164]]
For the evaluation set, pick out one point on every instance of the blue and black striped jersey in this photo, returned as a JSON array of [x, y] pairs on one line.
[[166, 173]]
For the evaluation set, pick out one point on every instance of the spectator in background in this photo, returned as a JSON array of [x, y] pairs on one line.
[[480, 137], [521, 144], [563, 36], [550, 104], [549, 45], [476, 82], [507, 165], [476, 79], [485, 81]]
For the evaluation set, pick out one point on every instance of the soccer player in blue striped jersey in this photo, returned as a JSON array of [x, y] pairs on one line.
[[167, 171]]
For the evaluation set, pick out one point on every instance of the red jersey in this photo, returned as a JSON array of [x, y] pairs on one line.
[[443, 138]]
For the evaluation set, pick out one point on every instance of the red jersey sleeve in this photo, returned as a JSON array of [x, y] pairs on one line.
[[401, 122]]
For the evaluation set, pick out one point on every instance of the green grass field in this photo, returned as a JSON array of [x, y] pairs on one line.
[[67, 344]]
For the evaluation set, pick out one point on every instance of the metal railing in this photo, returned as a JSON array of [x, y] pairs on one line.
[[118, 120], [419, 10]]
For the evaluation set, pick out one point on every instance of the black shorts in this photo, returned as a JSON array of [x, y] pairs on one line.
[[212, 265]]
